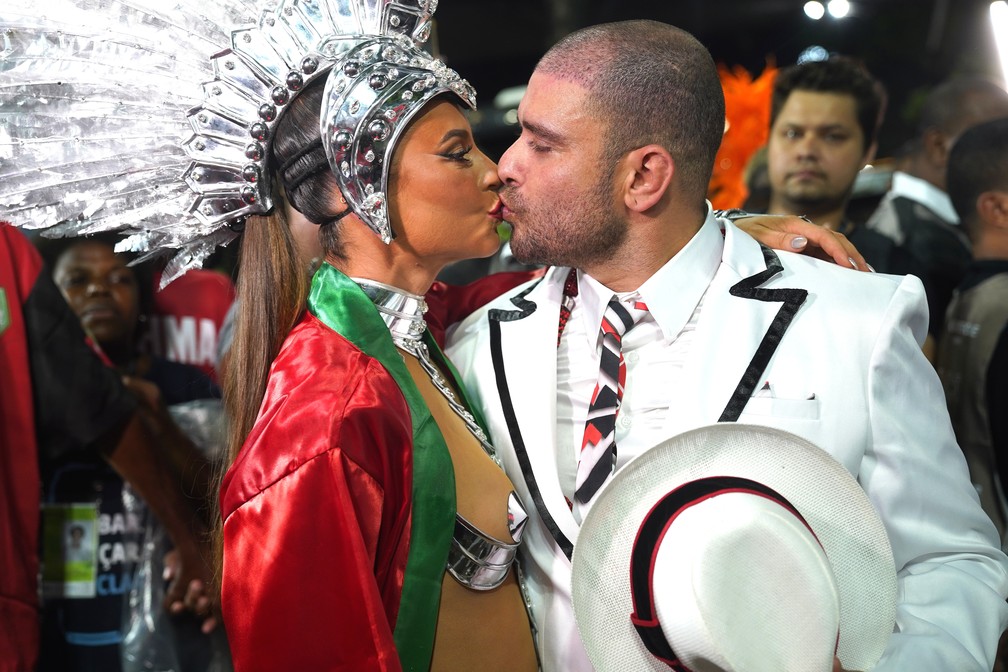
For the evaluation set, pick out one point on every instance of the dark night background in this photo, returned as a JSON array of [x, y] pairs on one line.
[[908, 44]]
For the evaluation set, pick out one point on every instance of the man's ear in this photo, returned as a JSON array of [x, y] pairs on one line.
[[649, 172], [935, 146], [992, 206]]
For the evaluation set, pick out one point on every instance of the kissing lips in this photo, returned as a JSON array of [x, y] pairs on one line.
[[497, 212], [506, 213]]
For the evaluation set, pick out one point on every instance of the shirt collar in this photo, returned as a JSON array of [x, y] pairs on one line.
[[924, 193], [689, 272], [982, 269]]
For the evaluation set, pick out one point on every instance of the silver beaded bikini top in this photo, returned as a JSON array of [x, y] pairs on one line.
[[475, 559]]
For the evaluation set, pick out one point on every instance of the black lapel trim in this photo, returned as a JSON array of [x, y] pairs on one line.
[[749, 288], [525, 307], [496, 316]]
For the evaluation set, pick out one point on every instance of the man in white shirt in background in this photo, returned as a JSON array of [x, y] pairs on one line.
[[916, 213]]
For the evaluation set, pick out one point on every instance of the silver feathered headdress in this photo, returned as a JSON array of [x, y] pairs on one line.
[[154, 117]]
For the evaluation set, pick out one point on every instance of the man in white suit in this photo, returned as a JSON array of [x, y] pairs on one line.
[[606, 185]]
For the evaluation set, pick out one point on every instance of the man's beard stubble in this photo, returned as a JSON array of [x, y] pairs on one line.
[[815, 203], [571, 237]]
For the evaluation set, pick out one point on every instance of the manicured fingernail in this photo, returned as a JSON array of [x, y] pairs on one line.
[[852, 262], [798, 242], [870, 267]]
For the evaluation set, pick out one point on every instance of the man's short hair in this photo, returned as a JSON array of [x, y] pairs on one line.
[[977, 163], [650, 83], [955, 103], [838, 75]]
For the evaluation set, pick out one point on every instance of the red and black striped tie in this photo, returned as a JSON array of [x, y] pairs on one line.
[[598, 448]]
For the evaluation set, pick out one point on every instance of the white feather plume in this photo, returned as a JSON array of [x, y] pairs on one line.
[[96, 98]]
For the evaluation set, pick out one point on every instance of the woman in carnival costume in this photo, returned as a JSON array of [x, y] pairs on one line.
[[366, 524]]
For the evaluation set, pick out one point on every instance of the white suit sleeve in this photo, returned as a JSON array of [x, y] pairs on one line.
[[952, 575]]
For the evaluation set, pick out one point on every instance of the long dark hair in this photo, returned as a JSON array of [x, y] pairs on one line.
[[272, 283]]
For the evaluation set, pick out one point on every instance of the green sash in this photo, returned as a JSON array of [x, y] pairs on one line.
[[341, 305]]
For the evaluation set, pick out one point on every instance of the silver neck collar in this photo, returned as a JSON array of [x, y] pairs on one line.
[[403, 312]]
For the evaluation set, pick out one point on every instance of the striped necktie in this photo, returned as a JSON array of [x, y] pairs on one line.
[[598, 448]]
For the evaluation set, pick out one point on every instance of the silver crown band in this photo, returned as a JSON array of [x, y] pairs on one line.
[[377, 87]]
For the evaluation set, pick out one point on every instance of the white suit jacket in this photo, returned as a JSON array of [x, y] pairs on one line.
[[850, 341]]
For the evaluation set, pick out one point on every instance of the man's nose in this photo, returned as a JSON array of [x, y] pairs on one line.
[[809, 145], [507, 167]]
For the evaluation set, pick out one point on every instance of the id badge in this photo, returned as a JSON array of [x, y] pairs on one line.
[[69, 550]]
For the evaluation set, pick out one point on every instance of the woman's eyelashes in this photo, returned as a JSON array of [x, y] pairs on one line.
[[461, 155]]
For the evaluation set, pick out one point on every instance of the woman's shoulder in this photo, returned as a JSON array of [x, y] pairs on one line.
[[328, 405], [320, 382], [316, 360]]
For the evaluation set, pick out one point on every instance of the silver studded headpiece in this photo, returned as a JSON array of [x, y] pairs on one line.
[[370, 97], [155, 118]]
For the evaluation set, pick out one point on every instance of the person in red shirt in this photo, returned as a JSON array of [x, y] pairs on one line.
[[187, 317], [56, 396]]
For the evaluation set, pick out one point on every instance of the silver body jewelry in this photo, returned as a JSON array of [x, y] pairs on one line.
[[475, 559], [403, 314]]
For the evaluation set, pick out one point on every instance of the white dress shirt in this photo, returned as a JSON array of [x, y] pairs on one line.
[[884, 219], [654, 351], [925, 193]]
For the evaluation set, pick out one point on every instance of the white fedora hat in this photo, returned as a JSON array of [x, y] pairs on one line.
[[733, 547]]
